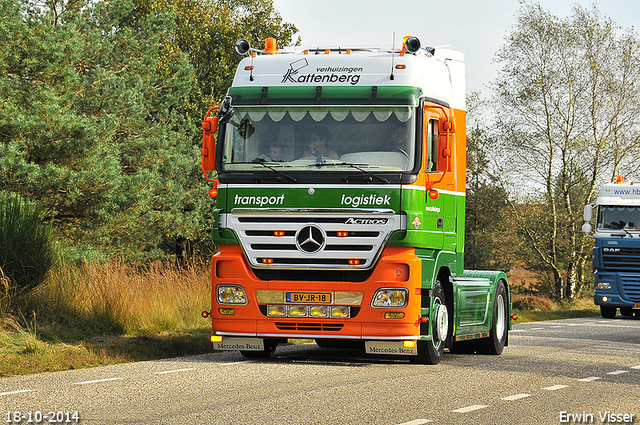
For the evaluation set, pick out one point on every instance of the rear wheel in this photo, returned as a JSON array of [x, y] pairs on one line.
[[430, 352], [499, 326], [608, 312]]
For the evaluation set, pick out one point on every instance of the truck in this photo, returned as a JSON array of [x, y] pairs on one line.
[[616, 252], [339, 181]]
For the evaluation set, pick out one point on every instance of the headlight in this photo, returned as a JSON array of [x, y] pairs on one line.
[[231, 294], [390, 297], [603, 285]]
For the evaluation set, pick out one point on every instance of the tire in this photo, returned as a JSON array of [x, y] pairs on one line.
[[608, 312], [430, 352], [499, 324], [269, 348]]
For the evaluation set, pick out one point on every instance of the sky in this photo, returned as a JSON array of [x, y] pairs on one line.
[[477, 28]]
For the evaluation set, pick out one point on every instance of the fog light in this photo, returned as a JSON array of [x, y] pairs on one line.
[[298, 311], [409, 344], [603, 285], [340, 312], [276, 311], [227, 311], [605, 299], [318, 311], [394, 315], [216, 338]]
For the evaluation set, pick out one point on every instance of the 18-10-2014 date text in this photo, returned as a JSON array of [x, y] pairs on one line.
[[37, 417]]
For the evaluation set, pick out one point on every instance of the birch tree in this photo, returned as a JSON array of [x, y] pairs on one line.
[[568, 120]]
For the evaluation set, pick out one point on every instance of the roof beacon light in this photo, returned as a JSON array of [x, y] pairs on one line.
[[270, 46], [619, 180], [410, 44]]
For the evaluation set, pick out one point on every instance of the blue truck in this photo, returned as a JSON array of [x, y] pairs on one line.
[[616, 254]]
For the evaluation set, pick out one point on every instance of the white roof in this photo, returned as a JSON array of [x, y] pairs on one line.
[[619, 194], [441, 76]]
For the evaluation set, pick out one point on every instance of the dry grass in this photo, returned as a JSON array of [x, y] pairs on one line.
[[126, 299], [92, 314]]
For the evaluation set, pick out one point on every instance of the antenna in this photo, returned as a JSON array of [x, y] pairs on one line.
[[393, 56]]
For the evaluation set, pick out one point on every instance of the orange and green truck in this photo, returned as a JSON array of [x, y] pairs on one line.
[[339, 181]]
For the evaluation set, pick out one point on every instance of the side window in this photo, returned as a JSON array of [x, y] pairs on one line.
[[432, 145]]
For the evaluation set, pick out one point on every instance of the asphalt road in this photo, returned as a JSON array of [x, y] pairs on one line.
[[550, 373]]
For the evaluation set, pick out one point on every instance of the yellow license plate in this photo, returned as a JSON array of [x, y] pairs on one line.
[[636, 306], [309, 297]]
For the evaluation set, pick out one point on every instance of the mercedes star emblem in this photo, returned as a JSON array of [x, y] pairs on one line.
[[310, 239]]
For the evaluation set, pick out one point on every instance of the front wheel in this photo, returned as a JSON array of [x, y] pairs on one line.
[[499, 326], [430, 352]]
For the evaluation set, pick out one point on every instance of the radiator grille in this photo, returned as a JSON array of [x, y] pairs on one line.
[[327, 239]]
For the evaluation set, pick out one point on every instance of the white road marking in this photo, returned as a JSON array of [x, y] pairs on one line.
[[635, 367], [537, 329], [96, 381], [516, 397], [555, 387], [604, 321], [557, 326], [416, 422], [591, 378], [16, 392], [470, 408], [230, 363], [517, 330], [617, 372], [174, 371]]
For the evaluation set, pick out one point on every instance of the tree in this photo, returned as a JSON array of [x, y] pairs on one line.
[[488, 234], [207, 30], [568, 121], [100, 123]]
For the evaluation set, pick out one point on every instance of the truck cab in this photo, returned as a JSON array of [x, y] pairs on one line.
[[616, 254]]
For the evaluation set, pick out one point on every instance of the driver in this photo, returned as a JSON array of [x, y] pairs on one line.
[[398, 140], [317, 144]]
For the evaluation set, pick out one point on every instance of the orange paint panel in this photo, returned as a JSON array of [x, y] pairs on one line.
[[398, 268]]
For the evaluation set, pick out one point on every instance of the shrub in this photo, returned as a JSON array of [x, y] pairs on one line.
[[26, 247]]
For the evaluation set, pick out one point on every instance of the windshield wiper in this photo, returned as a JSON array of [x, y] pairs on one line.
[[356, 166], [293, 179], [622, 235]]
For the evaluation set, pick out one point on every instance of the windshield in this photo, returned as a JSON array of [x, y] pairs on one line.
[[293, 138], [618, 218]]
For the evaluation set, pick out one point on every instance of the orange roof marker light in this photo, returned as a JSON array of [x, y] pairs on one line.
[[619, 180]]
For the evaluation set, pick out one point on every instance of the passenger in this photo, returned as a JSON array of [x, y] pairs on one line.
[[317, 144], [276, 153]]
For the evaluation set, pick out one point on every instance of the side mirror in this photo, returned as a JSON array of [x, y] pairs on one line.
[[586, 228], [208, 151], [246, 128], [588, 212]]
